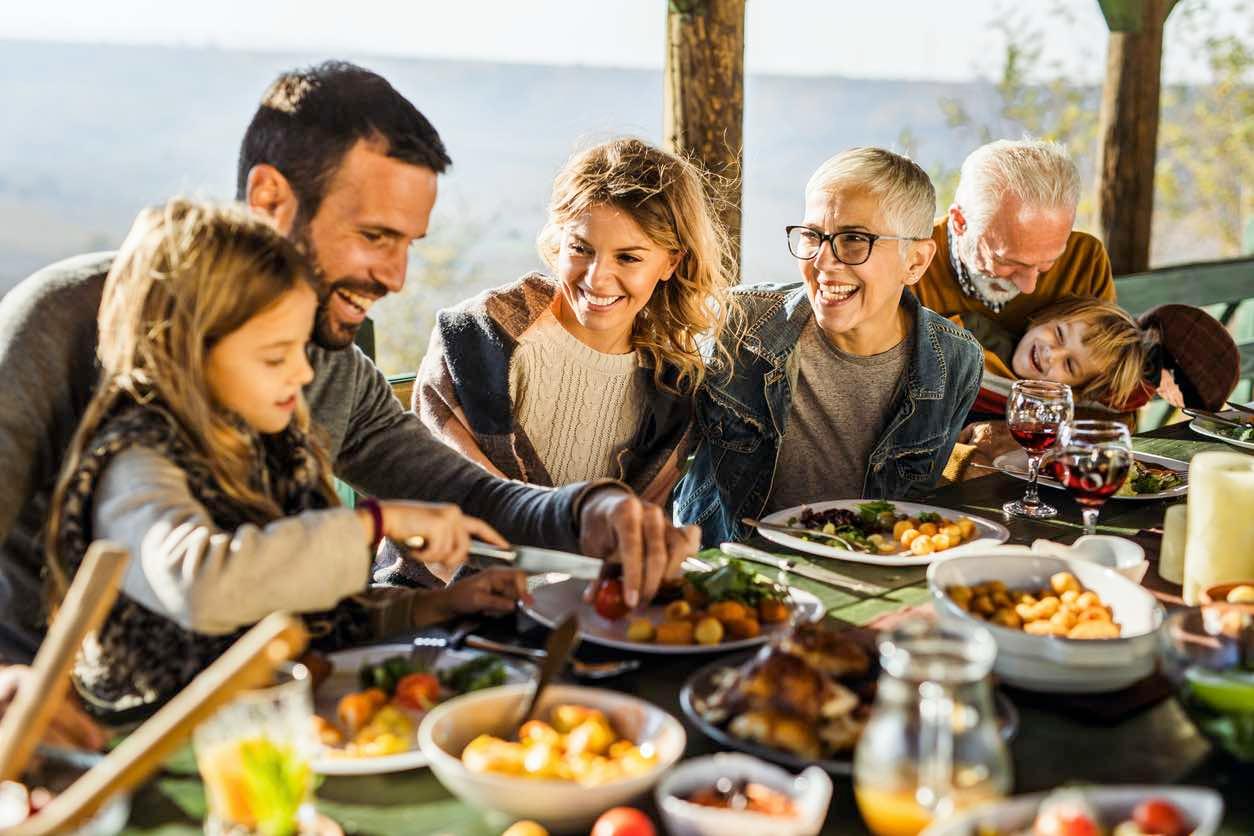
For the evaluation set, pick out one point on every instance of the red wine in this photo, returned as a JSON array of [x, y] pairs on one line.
[[1035, 437], [1092, 475]]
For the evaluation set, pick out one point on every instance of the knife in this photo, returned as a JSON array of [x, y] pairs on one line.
[[532, 560], [814, 573], [1240, 422]]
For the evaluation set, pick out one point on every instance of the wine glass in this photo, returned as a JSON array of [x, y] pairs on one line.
[[1034, 412], [1092, 461]]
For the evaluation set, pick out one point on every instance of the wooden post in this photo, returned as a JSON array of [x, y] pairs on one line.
[[704, 95], [1128, 129]]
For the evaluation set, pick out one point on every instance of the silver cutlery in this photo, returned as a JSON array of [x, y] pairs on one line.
[[560, 644], [1240, 407], [814, 573], [1219, 419], [803, 533], [582, 670]]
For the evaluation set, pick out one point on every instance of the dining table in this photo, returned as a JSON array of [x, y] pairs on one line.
[[1141, 736]]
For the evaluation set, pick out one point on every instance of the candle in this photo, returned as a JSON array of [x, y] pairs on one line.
[[1175, 531], [1219, 545]]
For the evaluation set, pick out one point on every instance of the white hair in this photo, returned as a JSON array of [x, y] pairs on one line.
[[903, 189], [1038, 173]]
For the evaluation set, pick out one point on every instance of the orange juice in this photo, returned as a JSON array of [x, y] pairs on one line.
[[892, 812]]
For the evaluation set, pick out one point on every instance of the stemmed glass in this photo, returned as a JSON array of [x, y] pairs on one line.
[[1034, 412], [1092, 461]]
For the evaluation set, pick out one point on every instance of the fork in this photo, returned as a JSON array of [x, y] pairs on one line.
[[426, 649], [1240, 407]]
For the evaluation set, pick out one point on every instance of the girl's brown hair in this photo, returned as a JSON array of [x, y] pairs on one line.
[[671, 199], [1117, 343], [187, 275]]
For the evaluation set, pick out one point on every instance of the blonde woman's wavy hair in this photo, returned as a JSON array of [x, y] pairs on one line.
[[187, 275], [672, 201]]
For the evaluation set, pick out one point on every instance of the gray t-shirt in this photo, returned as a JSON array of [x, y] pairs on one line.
[[840, 406]]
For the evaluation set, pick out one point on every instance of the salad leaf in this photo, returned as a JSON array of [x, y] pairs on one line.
[[870, 511], [478, 673], [386, 673], [733, 582], [277, 782]]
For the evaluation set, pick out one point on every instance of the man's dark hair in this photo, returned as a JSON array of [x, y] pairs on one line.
[[310, 118]]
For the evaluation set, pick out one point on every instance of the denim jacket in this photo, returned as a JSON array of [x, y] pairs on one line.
[[742, 419]]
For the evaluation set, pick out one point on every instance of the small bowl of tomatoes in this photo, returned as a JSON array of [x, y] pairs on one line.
[[1094, 811]]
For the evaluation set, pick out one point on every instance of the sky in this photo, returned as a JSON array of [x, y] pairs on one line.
[[904, 39]]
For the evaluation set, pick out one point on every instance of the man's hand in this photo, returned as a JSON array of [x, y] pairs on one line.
[[70, 727], [615, 525]]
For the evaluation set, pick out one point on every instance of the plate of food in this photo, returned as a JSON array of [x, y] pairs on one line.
[[726, 608], [802, 700], [368, 707], [883, 533], [1151, 477], [1237, 436]]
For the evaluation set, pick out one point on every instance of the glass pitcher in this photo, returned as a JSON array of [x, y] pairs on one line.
[[932, 744]]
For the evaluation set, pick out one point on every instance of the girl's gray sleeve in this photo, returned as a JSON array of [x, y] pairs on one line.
[[213, 581]]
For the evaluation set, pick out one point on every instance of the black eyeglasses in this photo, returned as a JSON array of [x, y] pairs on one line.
[[852, 248]]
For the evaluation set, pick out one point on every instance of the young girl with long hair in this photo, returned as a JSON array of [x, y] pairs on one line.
[[196, 453], [589, 372]]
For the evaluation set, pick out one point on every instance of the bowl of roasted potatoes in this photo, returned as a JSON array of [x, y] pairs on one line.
[[584, 751], [1061, 626]]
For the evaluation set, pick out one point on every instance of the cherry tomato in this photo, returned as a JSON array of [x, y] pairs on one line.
[[1065, 822], [609, 601], [1158, 816], [623, 821], [419, 691]]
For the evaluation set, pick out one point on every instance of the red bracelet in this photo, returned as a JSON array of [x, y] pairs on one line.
[[371, 504]]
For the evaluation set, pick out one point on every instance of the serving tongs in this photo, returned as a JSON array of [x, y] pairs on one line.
[[249, 663], [804, 533]]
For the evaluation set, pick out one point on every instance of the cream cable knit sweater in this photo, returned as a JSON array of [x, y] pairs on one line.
[[576, 404]]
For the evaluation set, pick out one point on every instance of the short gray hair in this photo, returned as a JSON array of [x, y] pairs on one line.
[[1039, 173], [903, 189]]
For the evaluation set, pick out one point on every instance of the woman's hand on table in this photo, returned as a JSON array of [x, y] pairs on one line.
[[618, 526], [70, 727]]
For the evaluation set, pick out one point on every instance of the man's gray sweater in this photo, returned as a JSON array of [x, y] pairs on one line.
[[48, 367]]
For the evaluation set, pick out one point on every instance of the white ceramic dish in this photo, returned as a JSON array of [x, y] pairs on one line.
[[811, 792], [989, 534], [1203, 807], [1058, 665], [553, 602], [560, 806], [1118, 553], [343, 680], [1216, 431], [1016, 464]]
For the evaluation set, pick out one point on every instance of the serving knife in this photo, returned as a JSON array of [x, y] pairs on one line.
[[1239, 423], [561, 643], [1240, 407], [533, 560], [814, 573]]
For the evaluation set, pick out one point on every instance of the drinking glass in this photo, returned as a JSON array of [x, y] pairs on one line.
[[254, 757], [1092, 460], [1034, 412], [932, 745]]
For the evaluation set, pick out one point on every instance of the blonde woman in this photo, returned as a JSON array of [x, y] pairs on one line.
[[589, 372], [196, 454]]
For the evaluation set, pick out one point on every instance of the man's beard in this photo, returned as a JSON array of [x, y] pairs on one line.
[[328, 333], [990, 288]]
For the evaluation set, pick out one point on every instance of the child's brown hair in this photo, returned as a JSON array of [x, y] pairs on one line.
[[1117, 343]]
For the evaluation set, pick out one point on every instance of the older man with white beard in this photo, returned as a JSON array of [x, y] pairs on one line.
[[1006, 248]]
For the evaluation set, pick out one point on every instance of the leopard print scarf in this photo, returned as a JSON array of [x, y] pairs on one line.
[[139, 659]]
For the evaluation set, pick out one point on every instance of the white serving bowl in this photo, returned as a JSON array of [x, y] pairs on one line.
[[811, 791], [561, 806], [1204, 807], [1118, 553], [1058, 665]]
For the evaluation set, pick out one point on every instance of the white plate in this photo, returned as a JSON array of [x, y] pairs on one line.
[[555, 601], [1212, 430], [989, 534], [343, 680], [1017, 460], [1203, 807]]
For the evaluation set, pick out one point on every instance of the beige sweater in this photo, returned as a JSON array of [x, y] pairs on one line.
[[578, 406]]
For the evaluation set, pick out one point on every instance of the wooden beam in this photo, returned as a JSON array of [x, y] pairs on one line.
[[1128, 138], [704, 96]]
